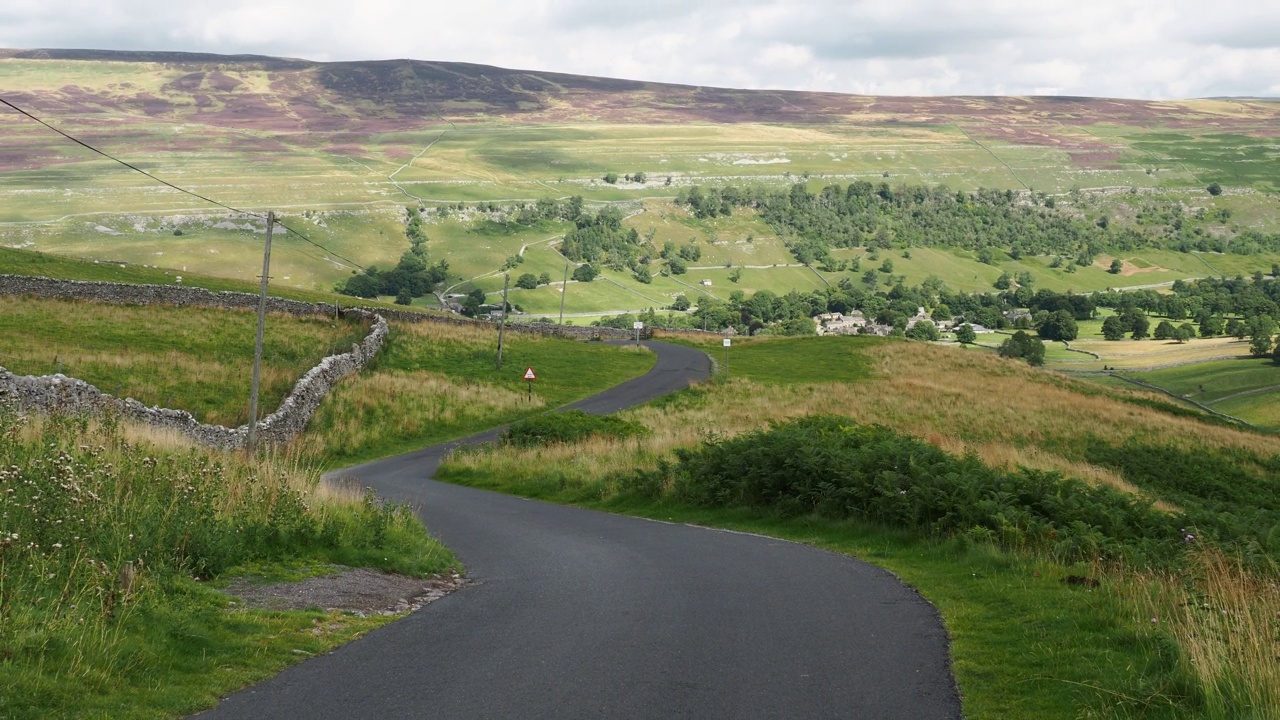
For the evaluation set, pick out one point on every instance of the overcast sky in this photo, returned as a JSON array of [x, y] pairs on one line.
[[1117, 48]]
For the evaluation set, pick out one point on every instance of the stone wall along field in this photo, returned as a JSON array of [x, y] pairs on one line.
[[58, 393]]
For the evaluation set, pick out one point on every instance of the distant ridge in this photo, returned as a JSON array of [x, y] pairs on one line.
[[150, 56], [384, 95]]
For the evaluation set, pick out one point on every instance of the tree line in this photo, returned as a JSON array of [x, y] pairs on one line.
[[984, 221]]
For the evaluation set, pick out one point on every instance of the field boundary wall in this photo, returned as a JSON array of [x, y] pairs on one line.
[[58, 393]]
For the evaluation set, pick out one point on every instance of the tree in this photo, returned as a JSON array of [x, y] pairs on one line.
[[639, 177], [691, 251], [798, 326], [611, 178], [643, 275], [1236, 329], [886, 266], [1059, 325], [544, 279], [1022, 345], [1185, 332], [677, 266], [681, 303], [1113, 328], [527, 281], [923, 330], [965, 334], [1214, 189], [1211, 325], [1004, 282], [403, 297], [1164, 331], [736, 275], [585, 272], [1117, 267], [1139, 325], [1260, 329]]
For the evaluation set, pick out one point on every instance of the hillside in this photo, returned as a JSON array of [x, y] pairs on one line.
[[229, 91], [342, 148]]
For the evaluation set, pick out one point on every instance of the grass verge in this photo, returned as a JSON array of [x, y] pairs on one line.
[[110, 539]]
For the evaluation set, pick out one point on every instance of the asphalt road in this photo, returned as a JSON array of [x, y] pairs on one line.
[[575, 613]]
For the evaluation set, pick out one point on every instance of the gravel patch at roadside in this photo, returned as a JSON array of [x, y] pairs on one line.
[[358, 590]]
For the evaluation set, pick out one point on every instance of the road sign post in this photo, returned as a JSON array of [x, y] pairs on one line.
[[528, 375], [637, 326], [727, 343]]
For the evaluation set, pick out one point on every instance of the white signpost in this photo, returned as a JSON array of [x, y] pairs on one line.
[[637, 326], [727, 342]]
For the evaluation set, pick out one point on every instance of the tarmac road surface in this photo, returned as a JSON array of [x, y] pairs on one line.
[[581, 614]]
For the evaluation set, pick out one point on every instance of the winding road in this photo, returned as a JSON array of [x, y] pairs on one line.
[[575, 613]]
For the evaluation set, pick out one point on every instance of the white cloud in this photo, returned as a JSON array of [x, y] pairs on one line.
[[1125, 48]]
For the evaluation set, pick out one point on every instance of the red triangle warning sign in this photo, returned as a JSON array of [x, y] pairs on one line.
[[528, 374]]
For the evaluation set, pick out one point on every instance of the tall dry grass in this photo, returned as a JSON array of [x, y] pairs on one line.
[[1226, 622], [366, 410]]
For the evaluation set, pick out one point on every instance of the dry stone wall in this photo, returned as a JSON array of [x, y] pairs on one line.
[[61, 394], [127, 294], [58, 393]]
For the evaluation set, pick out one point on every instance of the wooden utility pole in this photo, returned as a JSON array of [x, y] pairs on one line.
[[257, 344], [564, 289], [506, 282]]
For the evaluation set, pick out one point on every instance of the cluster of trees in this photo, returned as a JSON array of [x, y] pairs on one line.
[[678, 258], [412, 277], [602, 239], [1236, 307], [529, 281], [985, 222], [612, 178]]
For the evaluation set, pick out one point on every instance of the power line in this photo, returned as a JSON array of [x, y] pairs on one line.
[[192, 193]]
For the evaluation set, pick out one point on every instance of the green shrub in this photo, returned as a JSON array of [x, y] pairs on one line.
[[569, 426], [1230, 495], [833, 466]]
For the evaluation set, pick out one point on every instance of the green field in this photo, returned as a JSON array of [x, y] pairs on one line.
[[1248, 388]]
